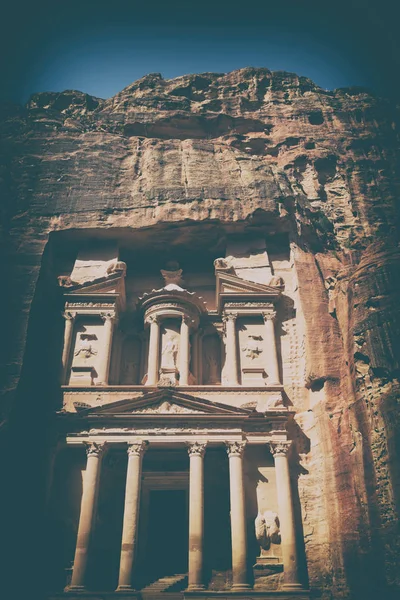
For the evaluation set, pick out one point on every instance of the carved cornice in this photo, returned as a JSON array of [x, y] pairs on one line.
[[280, 448], [95, 449], [137, 448], [235, 448], [196, 448]]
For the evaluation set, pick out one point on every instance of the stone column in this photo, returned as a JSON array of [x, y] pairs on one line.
[[154, 351], [184, 352], [104, 366], [131, 515], [286, 515], [87, 516], [272, 365], [231, 349], [195, 356], [69, 329], [196, 515], [238, 516]]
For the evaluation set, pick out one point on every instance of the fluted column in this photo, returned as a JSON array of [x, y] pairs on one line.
[[68, 331], [231, 349], [238, 516], [279, 451], [104, 366], [196, 515], [184, 352], [154, 351], [271, 353], [131, 515], [87, 516]]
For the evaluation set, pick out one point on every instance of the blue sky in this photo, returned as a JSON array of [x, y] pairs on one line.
[[100, 47]]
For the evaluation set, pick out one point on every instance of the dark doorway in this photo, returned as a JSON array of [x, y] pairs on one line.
[[167, 535]]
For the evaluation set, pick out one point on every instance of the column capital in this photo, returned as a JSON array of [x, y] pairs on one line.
[[235, 448], [108, 316], [187, 320], [231, 316], [95, 448], [196, 448], [137, 448], [69, 315], [153, 319], [279, 448], [269, 316]]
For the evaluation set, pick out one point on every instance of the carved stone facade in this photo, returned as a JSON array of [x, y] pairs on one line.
[[168, 369]]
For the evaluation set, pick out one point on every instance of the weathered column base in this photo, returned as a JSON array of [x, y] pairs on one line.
[[240, 587], [195, 588], [292, 586], [125, 588]]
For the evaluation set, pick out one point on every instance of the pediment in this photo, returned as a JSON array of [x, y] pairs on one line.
[[230, 286], [166, 402], [102, 285], [112, 286]]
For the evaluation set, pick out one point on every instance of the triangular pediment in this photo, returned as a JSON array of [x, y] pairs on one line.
[[102, 285], [230, 286], [112, 287], [166, 402]]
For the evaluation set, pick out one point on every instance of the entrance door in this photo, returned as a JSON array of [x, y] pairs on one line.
[[167, 534]]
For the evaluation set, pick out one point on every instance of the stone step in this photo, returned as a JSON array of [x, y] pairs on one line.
[[165, 583]]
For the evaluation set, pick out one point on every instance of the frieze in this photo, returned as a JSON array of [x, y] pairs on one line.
[[261, 305], [90, 304]]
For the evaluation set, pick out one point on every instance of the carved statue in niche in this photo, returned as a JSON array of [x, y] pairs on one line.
[[131, 355], [211, 359], [267, 530], [84, 348], [253, 348], [169, 354]]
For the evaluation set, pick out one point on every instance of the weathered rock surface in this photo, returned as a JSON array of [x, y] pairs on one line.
[[240, 150]]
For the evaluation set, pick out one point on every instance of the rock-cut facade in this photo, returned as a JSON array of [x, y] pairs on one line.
[[200, 341]]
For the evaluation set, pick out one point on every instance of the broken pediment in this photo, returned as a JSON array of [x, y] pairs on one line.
[[230, 288], [111, 288], [167, 402]]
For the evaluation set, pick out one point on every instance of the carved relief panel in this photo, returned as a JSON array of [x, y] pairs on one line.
[[251, 332], [86, 353]]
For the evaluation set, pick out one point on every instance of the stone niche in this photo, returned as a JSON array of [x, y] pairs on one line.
[[251, 341], [89, 338]]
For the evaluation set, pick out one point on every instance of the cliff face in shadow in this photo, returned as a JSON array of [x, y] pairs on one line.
[[246, 149]]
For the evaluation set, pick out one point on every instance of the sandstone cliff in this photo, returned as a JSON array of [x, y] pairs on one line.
[[244, 149]]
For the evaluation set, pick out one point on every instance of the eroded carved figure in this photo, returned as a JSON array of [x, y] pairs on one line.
[[253, 348], [84, 348], [170, 352], [267, 529]]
